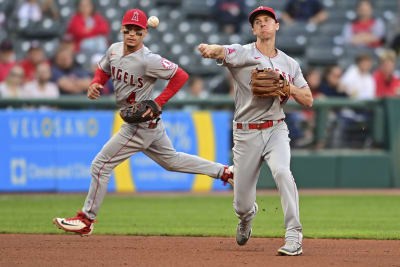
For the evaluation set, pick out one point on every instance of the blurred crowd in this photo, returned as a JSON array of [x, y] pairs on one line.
[[38, 74], [34, 72]]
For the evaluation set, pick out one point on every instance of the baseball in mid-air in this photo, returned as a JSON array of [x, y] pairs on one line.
[[153, 21]]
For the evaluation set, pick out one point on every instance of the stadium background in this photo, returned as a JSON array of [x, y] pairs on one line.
[[327, 152]]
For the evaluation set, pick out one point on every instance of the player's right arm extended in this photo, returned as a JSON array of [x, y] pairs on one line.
[[212, 51], [100, 78]]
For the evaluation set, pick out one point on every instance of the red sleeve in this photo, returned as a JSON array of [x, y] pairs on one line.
[[175, 83], [100, 77]]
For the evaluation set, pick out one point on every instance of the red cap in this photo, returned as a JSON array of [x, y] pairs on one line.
[[135, 17], [262, 9]]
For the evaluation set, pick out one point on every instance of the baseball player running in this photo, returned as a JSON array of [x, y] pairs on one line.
[[264, 78], [134, 70]]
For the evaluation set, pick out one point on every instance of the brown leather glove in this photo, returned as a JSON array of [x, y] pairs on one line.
[[134, 113], [269, 83]]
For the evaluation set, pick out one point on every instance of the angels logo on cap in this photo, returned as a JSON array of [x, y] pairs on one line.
[[262, 9], [135, 16]]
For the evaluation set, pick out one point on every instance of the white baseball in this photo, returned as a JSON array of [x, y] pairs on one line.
[[153, 21]]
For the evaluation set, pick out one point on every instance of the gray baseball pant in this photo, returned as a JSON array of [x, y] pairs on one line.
[[251, 147], [133, 138]]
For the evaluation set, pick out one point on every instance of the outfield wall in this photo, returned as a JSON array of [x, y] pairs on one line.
[[53, 150]]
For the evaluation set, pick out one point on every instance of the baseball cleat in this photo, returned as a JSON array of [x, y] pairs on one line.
[[80, 224], [244, 230], [291, 248]]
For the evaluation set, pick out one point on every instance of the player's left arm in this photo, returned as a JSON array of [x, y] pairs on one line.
[[175, 83], [302, 95], [300, 90]]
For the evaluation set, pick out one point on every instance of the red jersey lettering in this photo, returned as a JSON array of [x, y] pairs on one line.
[[140, 81], [125, 77], [119, 74], [113, 72], [132, 80]]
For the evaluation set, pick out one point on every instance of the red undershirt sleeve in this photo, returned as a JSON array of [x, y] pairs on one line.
[[100, 77], [174, 84]]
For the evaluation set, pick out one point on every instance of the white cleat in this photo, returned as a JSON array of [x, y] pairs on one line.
[[79, 224]]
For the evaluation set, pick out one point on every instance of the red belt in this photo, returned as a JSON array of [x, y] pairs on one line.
[[258, 126]]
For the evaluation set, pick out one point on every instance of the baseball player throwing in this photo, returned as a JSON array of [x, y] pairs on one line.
[[134, 69], [264, 78]]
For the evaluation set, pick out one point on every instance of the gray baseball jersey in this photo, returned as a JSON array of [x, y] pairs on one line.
[[134, 76], [252, 146], [241, 60]]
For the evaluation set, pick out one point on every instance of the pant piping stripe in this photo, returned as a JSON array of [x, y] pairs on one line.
[[98, 174], [297, 207]]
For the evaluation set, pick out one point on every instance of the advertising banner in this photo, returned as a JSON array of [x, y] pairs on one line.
[[51, 151]]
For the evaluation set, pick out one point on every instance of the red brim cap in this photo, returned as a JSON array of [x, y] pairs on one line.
[[262, 9], [135, 17]]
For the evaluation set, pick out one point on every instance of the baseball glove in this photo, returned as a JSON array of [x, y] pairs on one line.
[[134, 113], [269, 83]]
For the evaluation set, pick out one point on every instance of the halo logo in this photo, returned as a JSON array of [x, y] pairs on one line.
[[18, 171]]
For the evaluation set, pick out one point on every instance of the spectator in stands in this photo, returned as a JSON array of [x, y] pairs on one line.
[[69, 78], [330, 85], [34, 57], [311, 11], [67, 42], [41, 87], [229, 14], [365, 30], [225, 86], [196, 88], [357, 81], [387, 84], [313, 78], [89, 29], [11, 87], [7, 59], [35, 10]]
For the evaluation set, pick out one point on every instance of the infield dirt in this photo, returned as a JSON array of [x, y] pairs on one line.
[[108, 250]]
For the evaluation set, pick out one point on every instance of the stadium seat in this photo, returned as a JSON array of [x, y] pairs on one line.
[[292, 44], [321, 55], [196, 8], [331, 29]]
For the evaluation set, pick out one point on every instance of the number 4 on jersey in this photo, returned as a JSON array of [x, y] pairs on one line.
[[131, 98]]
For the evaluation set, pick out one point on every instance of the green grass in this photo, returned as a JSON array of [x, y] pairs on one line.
[[339, 216]]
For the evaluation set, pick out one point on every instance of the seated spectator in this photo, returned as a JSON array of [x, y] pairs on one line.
[[69, 78], [35, 10], [11, 87], [67, 42], [34, 57], [41, 87], [365, 30], [387, 84], [313, 78], [7, 59], [89, 29], [330, 83], [196, 88], [225, 86], [229, 14], [311, 11], [357, 81]]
